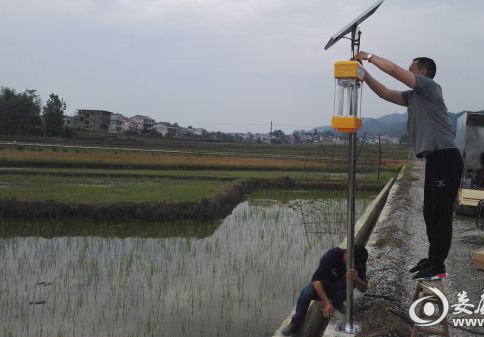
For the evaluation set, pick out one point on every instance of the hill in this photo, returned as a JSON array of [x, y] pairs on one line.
[[394, 125]]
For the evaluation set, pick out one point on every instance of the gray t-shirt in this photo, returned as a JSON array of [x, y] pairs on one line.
[[428, 125]]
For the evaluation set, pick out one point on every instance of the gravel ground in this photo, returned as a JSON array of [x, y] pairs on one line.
[[397, 242]]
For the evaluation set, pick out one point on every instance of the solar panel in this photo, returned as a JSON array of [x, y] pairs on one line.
[[353, 24]]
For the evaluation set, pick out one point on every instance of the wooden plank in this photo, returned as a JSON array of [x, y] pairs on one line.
[[468, 193], [479, 259], [470, 197], [469, 202]]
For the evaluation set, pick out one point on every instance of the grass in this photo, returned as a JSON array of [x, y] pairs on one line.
[[407, 174], [101, 158], [80, 189]]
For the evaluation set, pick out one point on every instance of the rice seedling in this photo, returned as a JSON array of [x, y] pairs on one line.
[[239, 280]]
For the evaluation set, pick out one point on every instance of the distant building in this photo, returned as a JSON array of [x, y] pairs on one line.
[[389, 140], [128, 125], [68, 120], [92, 119], [116, 123], [262, 137], [307, 138], [240, 136], [195, 131], [162, 128], [141, 123]]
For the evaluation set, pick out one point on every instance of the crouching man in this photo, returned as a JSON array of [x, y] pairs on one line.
[[328, 284]]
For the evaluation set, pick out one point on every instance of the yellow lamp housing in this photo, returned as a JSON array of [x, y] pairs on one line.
[[347, 102], [346, 124], [348, 69]]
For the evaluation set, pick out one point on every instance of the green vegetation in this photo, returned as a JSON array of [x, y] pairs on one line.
[[53, 113], [20, 114], [201, 174], [407, 173], [86, 190], [48, 228], [214, 174]]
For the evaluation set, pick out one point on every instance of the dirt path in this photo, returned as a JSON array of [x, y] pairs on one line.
[[398, 241]]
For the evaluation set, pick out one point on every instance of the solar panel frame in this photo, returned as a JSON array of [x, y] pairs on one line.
[[352, 26]]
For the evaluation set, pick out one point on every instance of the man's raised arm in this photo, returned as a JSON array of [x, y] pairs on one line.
[[393, 96], [403, 75]]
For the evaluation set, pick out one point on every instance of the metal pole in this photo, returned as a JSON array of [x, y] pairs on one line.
[[350, 238]]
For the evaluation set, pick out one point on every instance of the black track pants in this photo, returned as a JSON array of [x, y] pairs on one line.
[[443, 171]]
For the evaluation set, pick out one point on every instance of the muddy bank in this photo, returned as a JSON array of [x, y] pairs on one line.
[[334, 166], [48, 228], [216, 206], [29, 172]]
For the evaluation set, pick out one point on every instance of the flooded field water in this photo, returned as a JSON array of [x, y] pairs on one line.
[[237, 278]]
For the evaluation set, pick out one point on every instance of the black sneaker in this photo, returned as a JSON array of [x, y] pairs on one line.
[[292, 328], [419, 265], [431, 272]]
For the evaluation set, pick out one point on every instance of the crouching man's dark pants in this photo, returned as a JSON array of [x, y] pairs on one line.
[[335, 290]]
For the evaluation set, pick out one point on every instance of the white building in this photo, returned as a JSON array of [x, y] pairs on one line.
[[142, 122], [127, 124], [195, 131], [161, 128], [116, 123], [262, 137]]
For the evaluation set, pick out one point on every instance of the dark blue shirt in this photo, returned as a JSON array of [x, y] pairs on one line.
[[331, 267]]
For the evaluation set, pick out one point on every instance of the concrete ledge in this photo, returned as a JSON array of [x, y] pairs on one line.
[[314, 323]]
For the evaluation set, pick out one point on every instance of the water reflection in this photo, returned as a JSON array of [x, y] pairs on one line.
[[241, 280]]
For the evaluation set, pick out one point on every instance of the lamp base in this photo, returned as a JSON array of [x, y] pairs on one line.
[[346, 123], [346, 328]]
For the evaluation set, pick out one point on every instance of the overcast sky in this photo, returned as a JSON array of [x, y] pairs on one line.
[[230, 65]]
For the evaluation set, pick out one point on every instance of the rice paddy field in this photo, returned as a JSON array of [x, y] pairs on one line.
[[238, 275], [105, 190], [240, 278], [183, 171], [267, 157]]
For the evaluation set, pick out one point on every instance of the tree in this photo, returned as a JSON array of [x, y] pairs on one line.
[[278, 134], [19, 112], [53, 113]]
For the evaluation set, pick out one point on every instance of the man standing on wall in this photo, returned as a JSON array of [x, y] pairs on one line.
[[429, 132]]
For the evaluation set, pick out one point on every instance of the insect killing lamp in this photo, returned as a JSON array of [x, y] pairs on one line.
[[347, 118]]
